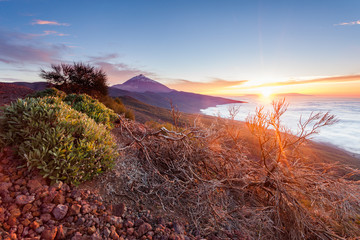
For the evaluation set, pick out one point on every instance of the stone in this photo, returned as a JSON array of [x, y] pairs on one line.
[[106, 232], [14, 211], [26, 222], [80, 221], [130, 231], [11, 221], [27, 207], [77, 236], [144, 228], [57, 185], [116, 220], [23, 199], [34, 185], [91, 230], [75, 194], [60, 211], [96, 236], [60, 233], [128, 224], [85, 209], [139, 222], [45, 217], [4, 186], [49, 233], [40, 229], [20, 229], [34, 225], [47, 207], [50, 197], [59, 198], [27, 215], [75, 209]]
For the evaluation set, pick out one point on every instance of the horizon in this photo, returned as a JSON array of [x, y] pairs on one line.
[[216, 48]]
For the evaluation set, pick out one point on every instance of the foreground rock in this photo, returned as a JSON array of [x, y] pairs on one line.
[[32, 209]]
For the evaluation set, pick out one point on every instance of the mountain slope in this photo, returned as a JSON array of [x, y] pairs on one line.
[[184, 101], [142, 84], [10, 92], [37, 86]]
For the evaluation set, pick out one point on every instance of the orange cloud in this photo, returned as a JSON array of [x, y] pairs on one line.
[[339, 79], [203, 87], [45, 22]]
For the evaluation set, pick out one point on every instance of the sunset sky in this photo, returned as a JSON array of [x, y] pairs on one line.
[[222, 47]]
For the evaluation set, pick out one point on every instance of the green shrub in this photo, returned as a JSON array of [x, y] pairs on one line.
[[48, 92], [61, 142], [91, 107], [117, 106]]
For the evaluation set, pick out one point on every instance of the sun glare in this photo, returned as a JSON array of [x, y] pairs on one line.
[[265, 92]]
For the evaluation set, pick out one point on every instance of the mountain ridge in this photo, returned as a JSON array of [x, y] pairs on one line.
[[141, 83]]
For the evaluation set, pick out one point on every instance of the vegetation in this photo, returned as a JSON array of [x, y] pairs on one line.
[[206, 177], [61, 142], [92, 108], [212, 177], [48, 92], [117, 106], [77, 78]]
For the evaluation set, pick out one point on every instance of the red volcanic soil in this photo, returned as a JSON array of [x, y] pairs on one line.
[[10, 92]]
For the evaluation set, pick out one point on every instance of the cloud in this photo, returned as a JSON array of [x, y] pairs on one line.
[[16, 48], [348, 23], [47, 33], [45, 22], [10, 79], [117, 72], [334, 79], [107, 57], [203, 87]]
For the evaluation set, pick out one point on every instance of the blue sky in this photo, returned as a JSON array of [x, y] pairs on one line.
[[231, 44]]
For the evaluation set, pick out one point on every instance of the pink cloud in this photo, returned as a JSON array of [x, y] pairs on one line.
[[348, 23], [45, 22], [120, 72], [15, 51], [47, 33]]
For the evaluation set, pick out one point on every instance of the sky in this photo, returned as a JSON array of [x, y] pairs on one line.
[[218, 47]]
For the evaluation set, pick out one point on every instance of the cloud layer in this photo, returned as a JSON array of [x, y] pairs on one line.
[[14, 50], [337, 79]]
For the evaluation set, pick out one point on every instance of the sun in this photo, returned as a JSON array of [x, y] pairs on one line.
[[266, 92]]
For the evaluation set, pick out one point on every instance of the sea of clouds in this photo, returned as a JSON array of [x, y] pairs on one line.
[[344, 134]]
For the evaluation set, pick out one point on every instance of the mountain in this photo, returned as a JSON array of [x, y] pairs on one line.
[[142, 84], [10, 92], [184, 101], [37, 86]]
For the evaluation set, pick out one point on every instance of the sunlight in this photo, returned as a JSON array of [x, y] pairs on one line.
[[266, 92]]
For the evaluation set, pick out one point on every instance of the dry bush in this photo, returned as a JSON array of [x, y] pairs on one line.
[[204, 176]]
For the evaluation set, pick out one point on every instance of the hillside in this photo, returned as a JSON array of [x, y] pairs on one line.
[[184, 101], [208, 177], [37, 86], [145, 113], [10, 92]]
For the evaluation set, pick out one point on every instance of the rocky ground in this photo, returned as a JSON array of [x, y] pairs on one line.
[[31, 208]]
